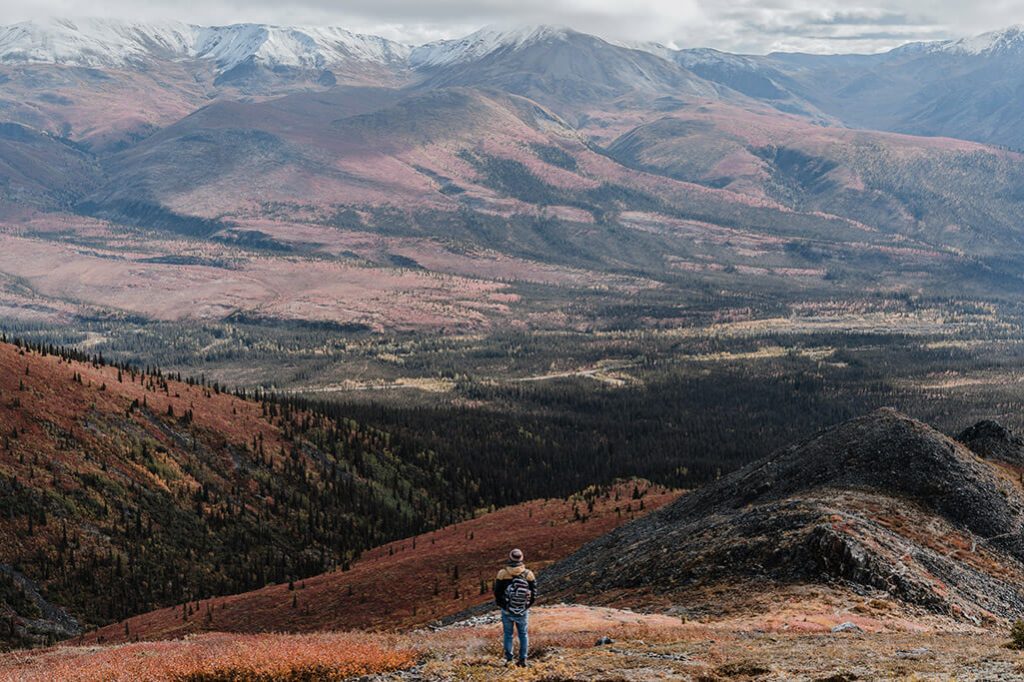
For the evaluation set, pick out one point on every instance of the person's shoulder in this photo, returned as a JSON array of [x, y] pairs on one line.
[[530, 577], [503, 574]]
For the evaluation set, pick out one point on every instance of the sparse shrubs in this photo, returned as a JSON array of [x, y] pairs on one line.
[[556, 156], [1016, 636]]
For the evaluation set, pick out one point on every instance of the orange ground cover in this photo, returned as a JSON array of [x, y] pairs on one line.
[[409, 582], [239, 658]]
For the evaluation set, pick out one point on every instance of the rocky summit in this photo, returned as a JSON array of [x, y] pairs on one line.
[[993, 440], [882, 504]]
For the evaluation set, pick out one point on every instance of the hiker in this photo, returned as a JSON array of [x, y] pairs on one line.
[[514, 591]]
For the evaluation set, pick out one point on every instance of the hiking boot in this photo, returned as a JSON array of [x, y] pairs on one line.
[[521, 663]]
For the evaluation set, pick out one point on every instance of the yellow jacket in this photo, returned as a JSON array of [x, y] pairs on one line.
[[505, 577]]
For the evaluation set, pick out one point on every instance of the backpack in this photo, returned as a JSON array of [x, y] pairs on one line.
[[517, 595]]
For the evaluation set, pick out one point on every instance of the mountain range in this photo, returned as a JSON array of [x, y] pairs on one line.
[[107, 43], [958, 88], [464, 173]]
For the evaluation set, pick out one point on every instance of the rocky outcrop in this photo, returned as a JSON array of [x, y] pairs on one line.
[[882, 503], [26, 617], [994, 441]]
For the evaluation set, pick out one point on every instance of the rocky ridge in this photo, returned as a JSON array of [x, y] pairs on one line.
[[994, 441], [880, 504]]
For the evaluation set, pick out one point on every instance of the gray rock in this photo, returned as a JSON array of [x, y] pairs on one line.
[[846, 627], [992, 440]]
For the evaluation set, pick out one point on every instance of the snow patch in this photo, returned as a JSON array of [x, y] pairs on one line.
[[481, 43], [657, 49], [112, 43], [1008, 39], [305, 47], [92, 42]]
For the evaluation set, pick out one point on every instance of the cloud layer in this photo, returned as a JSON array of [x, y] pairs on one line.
[[754, 26]]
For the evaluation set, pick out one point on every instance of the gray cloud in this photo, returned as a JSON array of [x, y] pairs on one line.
[[754, 26]]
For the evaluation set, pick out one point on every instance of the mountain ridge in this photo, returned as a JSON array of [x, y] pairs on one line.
[[382, 590], [882, 504], [957, 88], [113, 43]]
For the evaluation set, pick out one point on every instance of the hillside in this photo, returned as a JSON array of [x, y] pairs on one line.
[[914, 186], [409, 582], [881, 505], [877, 549], [125, 490], [40, 171], [176, 491]]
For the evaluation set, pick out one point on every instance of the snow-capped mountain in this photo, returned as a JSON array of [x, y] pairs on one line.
[[482, 43], [304, 47], [106, 43], [1007, 40], [93, 42], [657, 49], [553, 65], [962, 88], [991, 44]]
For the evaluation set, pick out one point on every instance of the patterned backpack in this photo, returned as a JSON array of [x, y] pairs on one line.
[[517, 595]]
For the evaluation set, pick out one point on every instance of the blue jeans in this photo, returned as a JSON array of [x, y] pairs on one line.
[[510, 620]]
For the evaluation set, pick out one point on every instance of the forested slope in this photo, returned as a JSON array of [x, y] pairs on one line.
[[122, 490]]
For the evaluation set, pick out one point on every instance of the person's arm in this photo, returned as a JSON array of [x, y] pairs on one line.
[[499, 590], [533, 588]]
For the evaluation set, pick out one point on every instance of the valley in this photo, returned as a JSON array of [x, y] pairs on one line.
[[877, 580], [303, 328]]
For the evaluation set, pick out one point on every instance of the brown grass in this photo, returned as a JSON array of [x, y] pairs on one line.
[[645, 647], [238, 658]]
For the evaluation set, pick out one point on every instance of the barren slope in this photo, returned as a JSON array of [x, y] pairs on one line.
[[943, 191], [881, 504]]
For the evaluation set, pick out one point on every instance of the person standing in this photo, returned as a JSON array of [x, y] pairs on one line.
[[515, 590]]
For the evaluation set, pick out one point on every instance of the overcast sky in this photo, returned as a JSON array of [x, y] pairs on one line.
[[754, 26]]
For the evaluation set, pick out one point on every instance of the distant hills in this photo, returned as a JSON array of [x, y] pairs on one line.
[[966, 88]]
